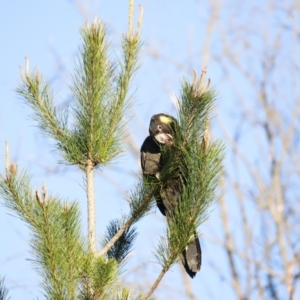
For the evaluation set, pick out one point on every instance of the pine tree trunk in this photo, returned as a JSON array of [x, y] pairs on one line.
[[91, 206]]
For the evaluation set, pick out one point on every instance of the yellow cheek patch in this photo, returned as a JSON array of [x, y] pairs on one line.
[[165, 120]]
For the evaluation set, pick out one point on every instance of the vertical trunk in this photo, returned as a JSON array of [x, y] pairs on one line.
[[91, 206]]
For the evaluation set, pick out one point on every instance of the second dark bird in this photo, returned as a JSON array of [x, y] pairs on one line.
[[161, 134]]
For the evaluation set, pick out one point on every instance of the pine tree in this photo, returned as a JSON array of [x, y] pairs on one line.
[[3, 290], [197, 162], [88, 135]]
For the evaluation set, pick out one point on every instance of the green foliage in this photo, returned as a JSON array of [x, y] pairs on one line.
[[67, 269], [93, 128], [140, 199], [126, 294], [105, 274], [140, 202], [39, 97], [87, 133], [124, 244], [100, 278], [195, 107], [57, 247], [99, 94], [191, 167]]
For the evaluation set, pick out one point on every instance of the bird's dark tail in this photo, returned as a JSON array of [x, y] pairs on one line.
[[191, 257]]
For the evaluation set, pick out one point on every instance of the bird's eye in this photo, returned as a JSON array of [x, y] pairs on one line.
[[159, 127]]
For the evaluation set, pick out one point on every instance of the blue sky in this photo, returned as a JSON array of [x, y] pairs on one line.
[[174, 34]]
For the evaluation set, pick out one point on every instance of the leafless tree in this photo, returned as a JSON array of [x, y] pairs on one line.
[[252, 51], [259, 59]]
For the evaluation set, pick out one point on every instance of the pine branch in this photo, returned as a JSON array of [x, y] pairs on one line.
[[190, 172], [38, 96], [100, 277], [99, 104], [56, 243], [168, 251], [158, 280], [100, 94], [90, 138], [123, 245], [126, 294], [105, 274], [92, 90], [138, 209], [3, 290], [195, 105], [123, 293]]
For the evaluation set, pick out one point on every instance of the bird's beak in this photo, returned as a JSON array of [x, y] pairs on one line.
[[164, 138]]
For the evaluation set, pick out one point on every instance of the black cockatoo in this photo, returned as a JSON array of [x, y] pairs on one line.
[[162, 131]]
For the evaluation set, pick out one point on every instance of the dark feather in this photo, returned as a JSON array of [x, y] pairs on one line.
[[191, 257], [150, 157], [151, 165]]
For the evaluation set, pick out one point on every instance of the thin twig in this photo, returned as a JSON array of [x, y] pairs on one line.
[[158, 280], [229, 245]]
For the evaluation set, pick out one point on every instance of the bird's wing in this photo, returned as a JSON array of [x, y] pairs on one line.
[[150, 157], [151, 164]]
